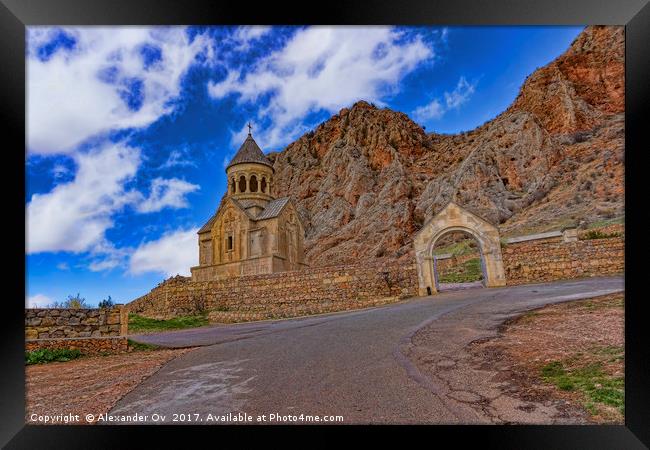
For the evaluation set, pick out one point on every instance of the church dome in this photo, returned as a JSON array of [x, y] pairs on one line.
[[250, 152]]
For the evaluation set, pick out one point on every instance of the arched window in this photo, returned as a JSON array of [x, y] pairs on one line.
[[263, 185], [242, 184], [253, 183], [233, 186]]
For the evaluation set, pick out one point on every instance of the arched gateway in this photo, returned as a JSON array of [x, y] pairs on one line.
[[454, 218]]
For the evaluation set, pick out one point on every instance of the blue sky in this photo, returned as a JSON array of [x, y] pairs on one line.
[[129, 128]]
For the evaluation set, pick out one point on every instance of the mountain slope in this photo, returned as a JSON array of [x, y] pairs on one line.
[[368, 178]]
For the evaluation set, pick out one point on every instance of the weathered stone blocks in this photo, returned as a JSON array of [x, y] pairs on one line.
[[92, 330], [529, 262], [284, 294]]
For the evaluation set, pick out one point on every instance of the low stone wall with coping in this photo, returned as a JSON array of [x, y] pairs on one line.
[[91, 330], [539, 261]]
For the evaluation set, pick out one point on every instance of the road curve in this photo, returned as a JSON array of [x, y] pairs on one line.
[[362, 365]]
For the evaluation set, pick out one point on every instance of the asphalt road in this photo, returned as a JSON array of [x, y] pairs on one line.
[[365, 366]]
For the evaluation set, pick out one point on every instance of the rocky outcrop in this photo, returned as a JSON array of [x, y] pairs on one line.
[[368, 178]]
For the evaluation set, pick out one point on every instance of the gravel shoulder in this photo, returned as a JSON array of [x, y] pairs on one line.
[[89, 385], [584, 339], [493, 371]]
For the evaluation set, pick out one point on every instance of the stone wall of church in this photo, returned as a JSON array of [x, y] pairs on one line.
[[284, 294]]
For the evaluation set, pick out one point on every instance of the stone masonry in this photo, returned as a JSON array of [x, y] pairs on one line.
[[338, 288], [284, 294], [87, 346], [91, 330], [534, 262]]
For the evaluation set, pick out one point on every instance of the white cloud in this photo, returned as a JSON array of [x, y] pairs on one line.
[[174, 253], [244, 36], [433, 110], [323, 68], [59, 170], [38, 301], [107, 256], [178, 158], [166, 193], [74, 215], [452, 100], [103, 264], [78, 93], [461, 93]]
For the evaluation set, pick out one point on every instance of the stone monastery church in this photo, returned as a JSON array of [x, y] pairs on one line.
[[252, 232]]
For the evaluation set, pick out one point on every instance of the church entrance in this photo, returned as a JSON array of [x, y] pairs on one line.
[[457, 233], [458, 262]]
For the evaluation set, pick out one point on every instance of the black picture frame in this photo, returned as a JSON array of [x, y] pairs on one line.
[[15, 15]]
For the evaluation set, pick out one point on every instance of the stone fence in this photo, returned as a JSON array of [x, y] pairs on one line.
[[283, 294], [539, 261], [316, 290], [92, 331]]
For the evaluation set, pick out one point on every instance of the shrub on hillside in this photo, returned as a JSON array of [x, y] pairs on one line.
[[596, 234]]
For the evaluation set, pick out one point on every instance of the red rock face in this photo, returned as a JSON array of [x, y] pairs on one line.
[[368, 178]]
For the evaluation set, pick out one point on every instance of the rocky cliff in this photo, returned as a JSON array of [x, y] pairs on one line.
[[368, 178]]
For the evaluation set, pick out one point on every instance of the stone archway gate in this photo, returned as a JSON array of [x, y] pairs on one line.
[[454, 218]]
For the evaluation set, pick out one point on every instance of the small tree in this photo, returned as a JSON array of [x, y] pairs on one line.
[[106, 303], [75, 302]]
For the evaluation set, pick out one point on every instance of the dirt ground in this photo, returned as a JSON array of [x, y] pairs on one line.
[[575, 335], [89, 385]]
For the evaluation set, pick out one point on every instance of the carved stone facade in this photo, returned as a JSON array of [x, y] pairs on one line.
[[251, 232]]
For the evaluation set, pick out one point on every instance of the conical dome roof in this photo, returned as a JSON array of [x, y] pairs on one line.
[[249, 152]]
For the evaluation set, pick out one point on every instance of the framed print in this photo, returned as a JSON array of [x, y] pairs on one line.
[[421, 215]]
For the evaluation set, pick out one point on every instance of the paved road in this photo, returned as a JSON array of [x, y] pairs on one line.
[[365, 365]]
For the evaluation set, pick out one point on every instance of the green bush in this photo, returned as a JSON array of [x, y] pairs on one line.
[[73, 301], [46, 355]]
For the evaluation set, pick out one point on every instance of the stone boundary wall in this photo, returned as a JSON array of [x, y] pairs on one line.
[[539, 261], [284, 294], [87, 346], [338, 288], [91, 330]]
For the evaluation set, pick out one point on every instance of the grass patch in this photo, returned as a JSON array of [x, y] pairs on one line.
[[466, 272], [606, 222], [140, 346], [616, 302], [459, 248], [527, 317], [139, 323], [46, 355], [590, 380], [596, 234]]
